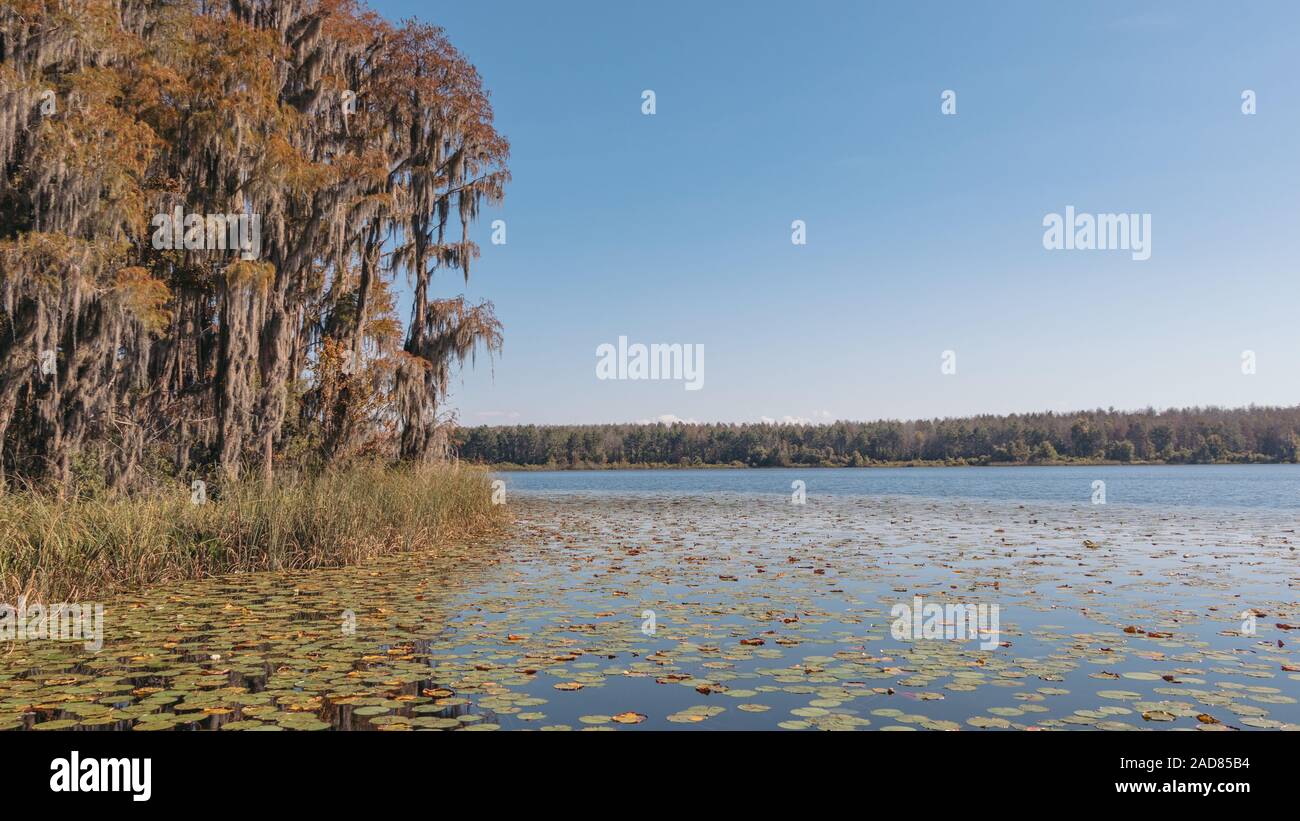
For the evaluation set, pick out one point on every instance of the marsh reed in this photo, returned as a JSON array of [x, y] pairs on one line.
[[85, 548]]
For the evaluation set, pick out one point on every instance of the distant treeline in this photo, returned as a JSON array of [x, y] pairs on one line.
[[1190, 435]]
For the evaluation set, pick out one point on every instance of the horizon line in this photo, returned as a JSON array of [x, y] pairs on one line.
[[788, 422]]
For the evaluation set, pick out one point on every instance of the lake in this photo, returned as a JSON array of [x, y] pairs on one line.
[[903, 599], [1204, 486]]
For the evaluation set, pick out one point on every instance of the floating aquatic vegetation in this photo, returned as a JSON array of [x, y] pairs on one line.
[[761, 621]]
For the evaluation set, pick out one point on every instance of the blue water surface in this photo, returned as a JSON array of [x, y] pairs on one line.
[[1201, 486]]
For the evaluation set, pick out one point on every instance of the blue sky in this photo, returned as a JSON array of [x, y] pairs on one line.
[[924, 231]]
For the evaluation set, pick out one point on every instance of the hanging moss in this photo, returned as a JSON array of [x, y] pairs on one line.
[[146, 344]]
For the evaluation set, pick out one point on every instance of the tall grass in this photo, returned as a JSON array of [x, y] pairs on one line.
[[73, 549]]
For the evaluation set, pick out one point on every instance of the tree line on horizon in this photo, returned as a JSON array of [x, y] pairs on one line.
[[1180, 436], [364, 149]]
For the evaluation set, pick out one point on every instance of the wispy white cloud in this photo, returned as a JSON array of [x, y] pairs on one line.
[[667, 419]]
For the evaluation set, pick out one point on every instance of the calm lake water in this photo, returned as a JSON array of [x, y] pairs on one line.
[[1201, 486]]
